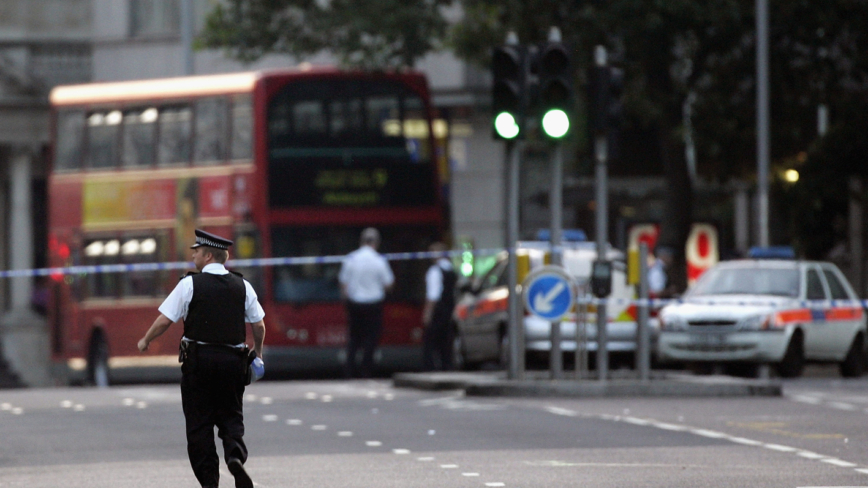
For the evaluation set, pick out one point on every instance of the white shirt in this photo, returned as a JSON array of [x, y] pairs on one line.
[[177, 304], [434, 279], [366, 275], [656, 277]]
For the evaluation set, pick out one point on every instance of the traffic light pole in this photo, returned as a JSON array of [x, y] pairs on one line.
[[556, 363], [601, 152], [515, 332]]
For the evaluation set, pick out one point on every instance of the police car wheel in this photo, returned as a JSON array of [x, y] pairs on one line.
[[459, 362], [853, 365], [793, 362]]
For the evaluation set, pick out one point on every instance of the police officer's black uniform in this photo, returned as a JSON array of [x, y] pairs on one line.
[[215, 304], [438, 336]]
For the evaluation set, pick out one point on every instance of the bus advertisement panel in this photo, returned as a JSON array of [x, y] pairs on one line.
[[285, 163]]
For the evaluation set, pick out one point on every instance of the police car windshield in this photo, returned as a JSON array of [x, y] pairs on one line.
[[748, 281]]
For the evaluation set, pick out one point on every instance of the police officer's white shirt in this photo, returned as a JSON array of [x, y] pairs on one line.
[[434, 279], [177, 304], [656, 277], [366, 275]]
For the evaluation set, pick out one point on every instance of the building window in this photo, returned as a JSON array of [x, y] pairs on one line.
[[155, 18]]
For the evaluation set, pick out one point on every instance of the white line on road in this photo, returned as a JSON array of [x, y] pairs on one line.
[[449, 466], [318, 427], [401, 451], [373, 443], [839, 462], [561, 411], [293, 422], [345, 433], [495, 483], [269, 418]]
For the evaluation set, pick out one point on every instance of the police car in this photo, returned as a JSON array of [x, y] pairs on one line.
[[481, 314], [767, 311]]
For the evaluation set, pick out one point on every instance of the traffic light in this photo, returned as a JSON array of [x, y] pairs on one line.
[[507, 91], [555, 97], [607, 88]]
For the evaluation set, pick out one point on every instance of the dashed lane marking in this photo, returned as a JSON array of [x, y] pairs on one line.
[[401, 451], [269, 418], [345, 433], [839, 462], [449, 466], [373, 443], [318, 427], [495, 483], [293, 422]]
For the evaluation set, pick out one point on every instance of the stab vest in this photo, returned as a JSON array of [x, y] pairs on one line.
[[216, 311], [444, 306]]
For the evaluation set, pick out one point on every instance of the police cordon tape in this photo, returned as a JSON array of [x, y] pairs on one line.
[[404, 256], [234, 263]]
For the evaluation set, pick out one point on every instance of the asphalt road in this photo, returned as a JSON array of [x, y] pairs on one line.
[[368, 434]]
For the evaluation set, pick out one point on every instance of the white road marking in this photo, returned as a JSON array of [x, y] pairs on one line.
[[250, 397], [634, 420], [266, 400], [470, 475], [449, 466], [665, 426], [373, 443], [326, 398], [747, 442], [843, 406], [806, 399], [310, 395], [78, 408], [345, 433], [372, 394], [318, 427], [269, 418], [839, 462], [19, 411], [66, 404], [561, 411], [293, 422], [425, 459], [709, 433], [401, 451], [389, 396], [5, 406], [495, 483], [778, 447], [128, 402], [141, 405], [810, 455], [862, 470]]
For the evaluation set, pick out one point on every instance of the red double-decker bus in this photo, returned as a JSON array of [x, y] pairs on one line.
[[286, 163]]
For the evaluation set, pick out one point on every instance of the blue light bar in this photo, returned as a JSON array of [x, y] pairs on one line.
[[569, 235], [772, 252]]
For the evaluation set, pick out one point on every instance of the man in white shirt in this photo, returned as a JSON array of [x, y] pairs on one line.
[[437, 315], [365, 278]]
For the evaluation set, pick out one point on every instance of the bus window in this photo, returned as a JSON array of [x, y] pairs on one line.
[[345, 117], [175, 134], [211, 131], [140, 250], [308, 118], [140, 130], [416, 130], [383, 114], [242, 128], [70, 134], [102, 138], [102, 252]]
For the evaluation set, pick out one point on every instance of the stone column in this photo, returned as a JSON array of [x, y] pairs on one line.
[[25, 336]]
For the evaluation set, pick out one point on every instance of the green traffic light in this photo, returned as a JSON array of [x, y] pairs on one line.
[[556, 123], [505, 125]]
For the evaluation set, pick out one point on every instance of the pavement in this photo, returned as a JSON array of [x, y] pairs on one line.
[[538, 384]]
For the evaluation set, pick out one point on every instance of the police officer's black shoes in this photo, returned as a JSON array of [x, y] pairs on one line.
[[242, 480]]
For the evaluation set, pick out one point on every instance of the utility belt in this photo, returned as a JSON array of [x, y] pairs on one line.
[[188, 351]]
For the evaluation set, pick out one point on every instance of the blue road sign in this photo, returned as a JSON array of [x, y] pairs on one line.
[[548, 293]]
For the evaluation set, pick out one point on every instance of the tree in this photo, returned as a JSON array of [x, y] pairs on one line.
[[366, 34]]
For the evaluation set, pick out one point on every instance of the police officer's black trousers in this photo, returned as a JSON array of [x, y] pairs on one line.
[[437, 345], [212, 387], [366, 324]]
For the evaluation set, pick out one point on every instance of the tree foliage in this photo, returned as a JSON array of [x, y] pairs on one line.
[[366, 34]]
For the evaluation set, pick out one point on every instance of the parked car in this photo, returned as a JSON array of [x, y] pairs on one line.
[[767, 311], [482, 318]]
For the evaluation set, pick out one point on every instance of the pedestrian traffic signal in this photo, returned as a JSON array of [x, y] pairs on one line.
[[507, 91], [555, 97]]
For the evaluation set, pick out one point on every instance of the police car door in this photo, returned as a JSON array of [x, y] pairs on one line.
[[844, 319], [816, 333]]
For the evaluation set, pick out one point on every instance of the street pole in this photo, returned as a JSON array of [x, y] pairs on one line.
[[643, 346], [516, 333], [601, 151], [556, 364], [762, 118]]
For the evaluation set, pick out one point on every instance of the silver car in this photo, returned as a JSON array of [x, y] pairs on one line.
[[762, 311]]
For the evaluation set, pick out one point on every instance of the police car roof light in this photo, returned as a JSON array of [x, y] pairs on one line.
[[568, 235], [772, 252]]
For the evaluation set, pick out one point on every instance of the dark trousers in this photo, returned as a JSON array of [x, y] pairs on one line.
[[437, 344], [212, 387], [366, 324]]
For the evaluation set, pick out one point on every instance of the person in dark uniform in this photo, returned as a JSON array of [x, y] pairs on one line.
[[437, 315], [215, 305]]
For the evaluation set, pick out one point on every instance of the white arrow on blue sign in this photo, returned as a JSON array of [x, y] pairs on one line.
[[548, 292]]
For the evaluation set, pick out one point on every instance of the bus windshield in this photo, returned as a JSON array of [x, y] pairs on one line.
[[349, 142]]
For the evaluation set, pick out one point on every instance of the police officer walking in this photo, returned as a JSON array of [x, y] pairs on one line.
[[215, 305], [365, 277], [437, 315]]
